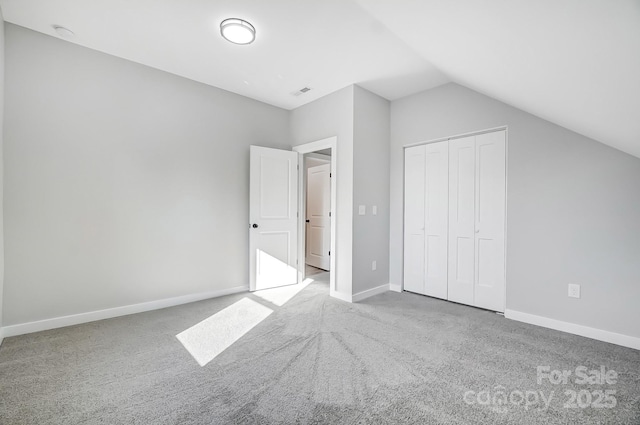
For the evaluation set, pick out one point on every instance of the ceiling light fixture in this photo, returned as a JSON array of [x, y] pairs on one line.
[[237, 31], [62, 31]]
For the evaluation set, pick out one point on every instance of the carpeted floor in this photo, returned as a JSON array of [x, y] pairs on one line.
[[392, 359]]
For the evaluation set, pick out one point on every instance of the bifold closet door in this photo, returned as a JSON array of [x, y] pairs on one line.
[[414, 203], [477, 166], [426, 203], [436, 217], [490, 180], [462, 166]]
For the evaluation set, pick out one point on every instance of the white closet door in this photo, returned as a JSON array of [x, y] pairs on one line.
[[490, 220], [462, 162], [436, 217], [414, 212]]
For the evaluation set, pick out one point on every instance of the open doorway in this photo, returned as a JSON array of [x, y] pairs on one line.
[[317, 214], [317, 218]]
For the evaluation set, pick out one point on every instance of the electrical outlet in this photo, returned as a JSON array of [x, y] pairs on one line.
[[374, 265], [574, 290]]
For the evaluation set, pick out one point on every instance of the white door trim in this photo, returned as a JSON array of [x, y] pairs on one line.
[[328, 143], [457, 136]]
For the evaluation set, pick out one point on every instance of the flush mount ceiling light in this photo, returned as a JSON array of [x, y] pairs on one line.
[[62, 31], [237, 31]]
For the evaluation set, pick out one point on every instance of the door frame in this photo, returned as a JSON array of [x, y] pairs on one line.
[[506, 189], [328, 143]]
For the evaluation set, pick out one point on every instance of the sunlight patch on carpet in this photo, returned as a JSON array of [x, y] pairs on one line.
[[215, 334]]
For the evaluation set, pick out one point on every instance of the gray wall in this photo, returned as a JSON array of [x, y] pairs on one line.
[[1, 169], [573, 208], [370, 187], [123, 184], [360, 120], [332, 115]]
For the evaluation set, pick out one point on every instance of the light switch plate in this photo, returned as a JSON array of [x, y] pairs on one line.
[[374, 265], [374, 210], [362, 210]]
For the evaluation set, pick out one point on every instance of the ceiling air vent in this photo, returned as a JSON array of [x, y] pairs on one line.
[[301, 91]]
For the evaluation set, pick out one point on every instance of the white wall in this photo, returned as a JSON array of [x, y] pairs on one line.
[[123, 184], [370, 187], [1, 169], [573, 208], [329, 116]]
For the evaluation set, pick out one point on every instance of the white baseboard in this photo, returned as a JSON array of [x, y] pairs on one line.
[[92, 316], [360, 295], [339, 295], [370, 292], [1, 335], [572, 328], [395, 287]]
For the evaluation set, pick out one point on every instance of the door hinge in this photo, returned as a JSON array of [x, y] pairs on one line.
[[329, 175], [329, 213], [329, 252]]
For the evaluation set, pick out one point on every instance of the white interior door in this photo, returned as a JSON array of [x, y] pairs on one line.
[[490, 175], [318, 237], [436, 217], [414, 215], [462, 162], [273, 208]]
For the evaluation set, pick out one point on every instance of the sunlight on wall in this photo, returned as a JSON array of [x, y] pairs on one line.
[[215, 334], [279, 296]]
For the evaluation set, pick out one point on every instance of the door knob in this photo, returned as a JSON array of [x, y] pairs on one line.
[[477, 230], [255, 226], [307, 221]]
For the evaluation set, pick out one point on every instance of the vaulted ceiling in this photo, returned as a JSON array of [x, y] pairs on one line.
[[573, 62]]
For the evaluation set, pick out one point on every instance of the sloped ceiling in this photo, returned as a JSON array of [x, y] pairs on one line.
[[573, 62]]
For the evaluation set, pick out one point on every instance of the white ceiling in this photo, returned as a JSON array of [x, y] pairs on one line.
[[573, 62], [322, 44]]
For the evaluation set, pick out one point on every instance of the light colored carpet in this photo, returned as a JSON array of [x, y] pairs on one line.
[[394, 358]]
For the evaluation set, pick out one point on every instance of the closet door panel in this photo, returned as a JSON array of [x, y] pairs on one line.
[[462, 161], [414, 215], [436, 218], [490, 178]]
